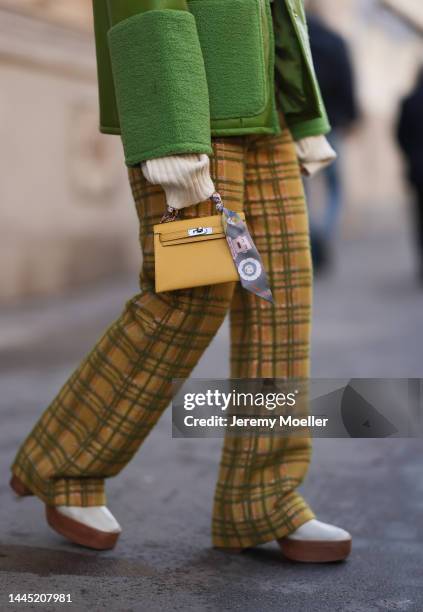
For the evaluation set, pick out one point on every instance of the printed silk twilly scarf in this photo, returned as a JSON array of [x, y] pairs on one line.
[[244, 252]]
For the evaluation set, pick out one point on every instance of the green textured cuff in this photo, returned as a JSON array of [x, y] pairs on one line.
[[312, 127], [161, 85]]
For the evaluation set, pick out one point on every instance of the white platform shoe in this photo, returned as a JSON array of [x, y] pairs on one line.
[[312, 542], [93, 526], [316, 542]]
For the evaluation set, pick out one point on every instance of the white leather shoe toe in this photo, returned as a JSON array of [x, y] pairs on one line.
[[316, 530], [96, 517]]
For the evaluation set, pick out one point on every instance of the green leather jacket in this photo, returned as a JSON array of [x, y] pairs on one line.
[[174, 73]]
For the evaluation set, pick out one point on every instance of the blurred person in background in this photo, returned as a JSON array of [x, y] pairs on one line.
[[410, 138], [186, 87], [334, 71]]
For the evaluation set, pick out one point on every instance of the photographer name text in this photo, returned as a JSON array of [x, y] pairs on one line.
[[265, 422]]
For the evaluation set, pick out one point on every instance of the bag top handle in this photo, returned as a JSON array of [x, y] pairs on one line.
[[172, 214]]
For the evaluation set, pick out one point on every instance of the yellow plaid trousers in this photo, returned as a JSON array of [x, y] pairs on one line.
[[111, 402]]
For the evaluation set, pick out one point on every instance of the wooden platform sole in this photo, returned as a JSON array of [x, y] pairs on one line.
[[315, 551], [19, 488], [311, 551]]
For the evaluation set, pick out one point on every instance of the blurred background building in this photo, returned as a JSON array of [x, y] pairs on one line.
[[66, 212], [66, 217]]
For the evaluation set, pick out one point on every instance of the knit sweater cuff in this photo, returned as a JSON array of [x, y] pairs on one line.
[[184, 178], [314, 153]]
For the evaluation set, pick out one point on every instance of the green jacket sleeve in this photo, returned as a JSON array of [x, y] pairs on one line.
[[160, 81], [298, 91]]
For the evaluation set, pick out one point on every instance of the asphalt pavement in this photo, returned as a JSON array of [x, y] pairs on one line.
[[367, 322]]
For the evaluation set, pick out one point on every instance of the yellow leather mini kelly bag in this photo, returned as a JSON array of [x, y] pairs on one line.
[[191, 253]]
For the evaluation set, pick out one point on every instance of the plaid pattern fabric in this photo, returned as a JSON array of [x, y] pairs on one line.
[[111, 402]]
